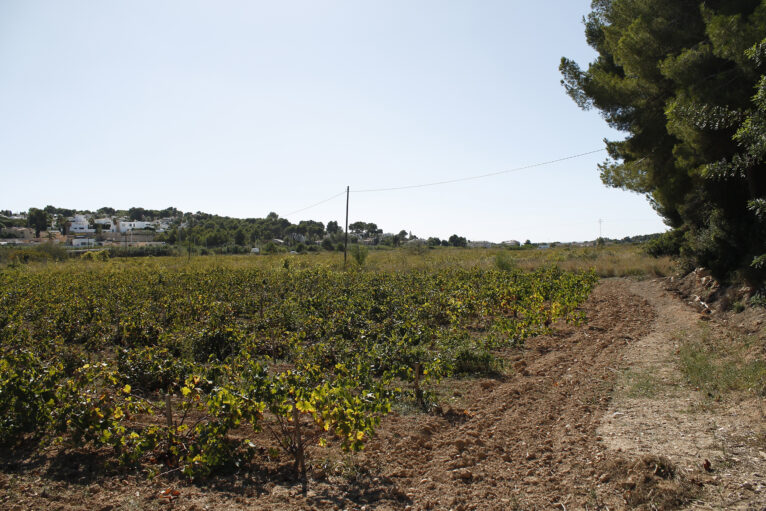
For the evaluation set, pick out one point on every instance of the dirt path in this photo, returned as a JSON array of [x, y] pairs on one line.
[[653, 412], [577, 424]]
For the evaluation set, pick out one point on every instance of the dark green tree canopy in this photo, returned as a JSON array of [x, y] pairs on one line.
[[368, 229], [679, 79], [38, 220], [333, 227], [458, 241]]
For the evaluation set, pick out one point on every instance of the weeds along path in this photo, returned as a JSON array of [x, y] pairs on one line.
[[526, 442], [654, 412], [650, 412]]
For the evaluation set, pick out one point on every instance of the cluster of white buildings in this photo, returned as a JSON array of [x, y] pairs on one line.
[[81, 224]]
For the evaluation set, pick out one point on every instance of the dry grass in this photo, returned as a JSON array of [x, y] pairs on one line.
[[720, 364], [641, 383], [610, 261]]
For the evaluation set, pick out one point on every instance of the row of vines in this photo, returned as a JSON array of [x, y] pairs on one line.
[[180, 369]]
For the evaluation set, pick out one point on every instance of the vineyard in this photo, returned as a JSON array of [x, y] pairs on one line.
[[186, 367]]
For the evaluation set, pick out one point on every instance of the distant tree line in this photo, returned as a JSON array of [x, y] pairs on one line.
[[206, 231]]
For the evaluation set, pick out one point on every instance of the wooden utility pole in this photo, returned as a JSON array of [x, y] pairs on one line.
[[345, 242]]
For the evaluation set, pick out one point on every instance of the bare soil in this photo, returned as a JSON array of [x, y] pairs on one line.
[[567, 427]]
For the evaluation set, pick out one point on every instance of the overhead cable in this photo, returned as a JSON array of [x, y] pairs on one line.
[[480, 176], [448, 181], [316, 204]]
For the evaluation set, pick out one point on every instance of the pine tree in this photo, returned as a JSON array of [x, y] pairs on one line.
[[678, 78]]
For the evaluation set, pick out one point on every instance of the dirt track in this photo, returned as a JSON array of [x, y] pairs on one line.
[[547, 436]]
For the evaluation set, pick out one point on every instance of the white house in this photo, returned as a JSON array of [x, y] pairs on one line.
[[123, 226], [105, 223], [83, 242], [163, 224], [79, 224]]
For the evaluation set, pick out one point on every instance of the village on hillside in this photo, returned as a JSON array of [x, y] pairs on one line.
[[84, 230]]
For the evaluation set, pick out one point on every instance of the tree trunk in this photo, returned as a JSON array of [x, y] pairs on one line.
[[300, 457]]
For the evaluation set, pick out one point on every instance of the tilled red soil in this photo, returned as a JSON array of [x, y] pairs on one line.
[[528, 441], [524, 441]]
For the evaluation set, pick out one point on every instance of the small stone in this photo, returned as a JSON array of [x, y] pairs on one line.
[[460, 444], [463, 474]]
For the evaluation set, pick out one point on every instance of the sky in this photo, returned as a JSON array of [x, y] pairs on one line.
[[241, 108]]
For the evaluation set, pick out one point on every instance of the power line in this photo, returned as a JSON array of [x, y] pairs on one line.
[[480, 176], [448, 181], [316, 204]]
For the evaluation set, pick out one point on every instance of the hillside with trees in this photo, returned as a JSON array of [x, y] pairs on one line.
[[233, 235]]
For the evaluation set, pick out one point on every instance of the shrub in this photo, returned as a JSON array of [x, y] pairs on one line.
[[666, 244], [43, 252], [217, 342], [52, 251], [152, 368], [95, 255], [417, 247], [26, 394], [270, 248], [360, 254], [758, 299], [476, 361], [155, 251], [504, 262]]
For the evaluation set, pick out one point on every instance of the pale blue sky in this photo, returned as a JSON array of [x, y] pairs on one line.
[[244, 107]]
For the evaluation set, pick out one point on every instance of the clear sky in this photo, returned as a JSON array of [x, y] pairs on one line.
[[240, 108]]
